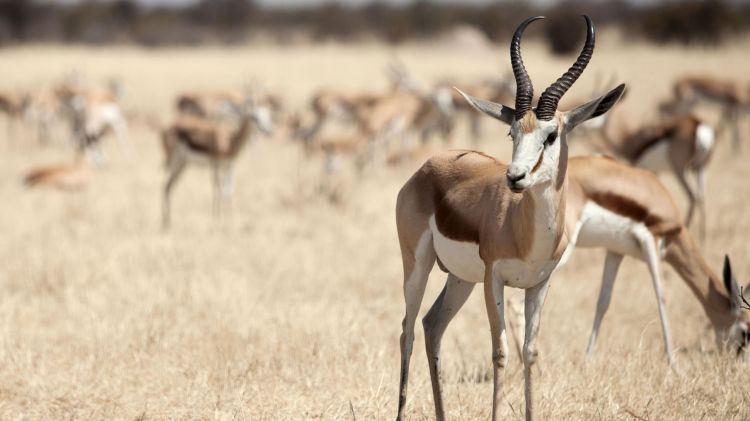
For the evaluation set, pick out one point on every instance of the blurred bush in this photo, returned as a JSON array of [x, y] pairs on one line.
[[564, 32], [691, 22], [234, 21]]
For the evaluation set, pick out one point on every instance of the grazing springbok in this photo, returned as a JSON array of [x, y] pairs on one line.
[[487, 222], [691, 90], [628, 211], [195, 139], [683, 146]]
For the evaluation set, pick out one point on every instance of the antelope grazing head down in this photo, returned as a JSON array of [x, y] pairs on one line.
[[539, 134], [737, 336]]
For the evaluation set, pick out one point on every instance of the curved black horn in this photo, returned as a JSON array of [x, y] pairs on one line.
[[549, 99], [524, 89]]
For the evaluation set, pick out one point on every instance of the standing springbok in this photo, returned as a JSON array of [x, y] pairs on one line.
[[691, 90], [194, 139], [93, 113], [487, 222]]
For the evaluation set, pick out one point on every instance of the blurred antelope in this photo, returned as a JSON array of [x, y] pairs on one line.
[[499, 91], [41, 112], [486, 222], [731, 96], [69, 177], [682, 146], [194, 139], [13, 104], [93, 113], [333, 104], [438, 110]]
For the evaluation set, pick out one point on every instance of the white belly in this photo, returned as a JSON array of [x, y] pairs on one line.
[[600, 227], [460, 258], [518, 273]]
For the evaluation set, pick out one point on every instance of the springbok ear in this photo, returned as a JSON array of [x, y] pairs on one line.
[[496, 111], [593, 108], [731, 285]]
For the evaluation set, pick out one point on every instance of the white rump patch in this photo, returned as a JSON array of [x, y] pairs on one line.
[[704, 142]]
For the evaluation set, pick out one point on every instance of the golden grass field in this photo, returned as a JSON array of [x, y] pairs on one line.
[[292, 308]]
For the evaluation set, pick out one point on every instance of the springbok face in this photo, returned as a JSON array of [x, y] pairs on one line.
[[737, 336], [539, 135]]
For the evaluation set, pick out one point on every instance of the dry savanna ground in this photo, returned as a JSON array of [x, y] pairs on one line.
[[291, 308]]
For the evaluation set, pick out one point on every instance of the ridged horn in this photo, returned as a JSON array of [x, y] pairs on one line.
[[524, 89], [549, 99]]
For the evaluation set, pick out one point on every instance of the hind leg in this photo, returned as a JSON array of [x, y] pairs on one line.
[[651, 255], [700, 178], [683, 179], [416, 271], [453, 297], [611, 265]]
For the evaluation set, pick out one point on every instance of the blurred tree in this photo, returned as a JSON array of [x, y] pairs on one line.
[[17, 14]]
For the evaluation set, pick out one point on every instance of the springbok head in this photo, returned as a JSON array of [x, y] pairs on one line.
[[539, 134], [737, 336]]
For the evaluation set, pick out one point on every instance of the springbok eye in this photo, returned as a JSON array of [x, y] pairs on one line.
[[551, 138]]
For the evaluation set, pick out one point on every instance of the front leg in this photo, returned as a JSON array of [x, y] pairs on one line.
[[533, 311], [494, 301]]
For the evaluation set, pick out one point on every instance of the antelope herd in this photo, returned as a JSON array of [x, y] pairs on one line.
[[480, 220]]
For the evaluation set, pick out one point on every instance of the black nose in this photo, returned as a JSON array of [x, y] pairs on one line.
[[516, 177]]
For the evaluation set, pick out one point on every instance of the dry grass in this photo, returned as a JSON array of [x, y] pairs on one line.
[[292, 309]]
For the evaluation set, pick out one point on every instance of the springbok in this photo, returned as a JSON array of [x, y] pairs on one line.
[[194, 139], [628, 211], [334, 104], [223, 105], [68, 177], [689, 91], [93, 113], [13, 104], [487, 222], [682, 146]]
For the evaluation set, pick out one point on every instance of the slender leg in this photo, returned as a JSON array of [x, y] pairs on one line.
[[175, 171], [494, 300], [416, 271], [734, 116], [611, 264], [682, 178], [700, 176], [227, 189], [216, 181], [453, 297], [650, 254], [516, 322], [533, 310]]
